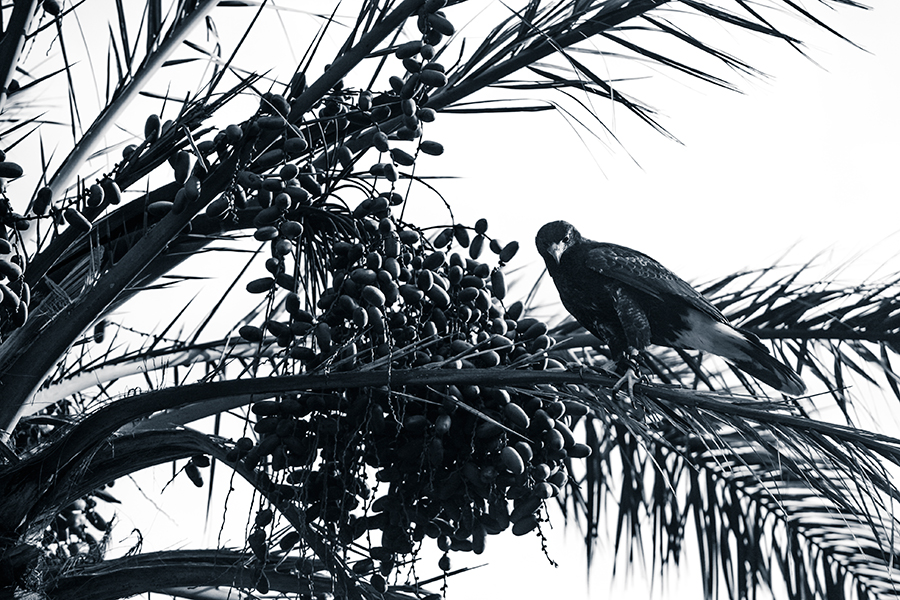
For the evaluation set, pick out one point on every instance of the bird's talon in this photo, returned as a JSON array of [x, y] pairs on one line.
[[627, 380]]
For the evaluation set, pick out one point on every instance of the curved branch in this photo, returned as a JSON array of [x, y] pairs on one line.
[[128, 454], [157, 571], [144, 363], [165, 571], [32, 362], [95, 428], [12, 43], [113, 112], [119, 457]]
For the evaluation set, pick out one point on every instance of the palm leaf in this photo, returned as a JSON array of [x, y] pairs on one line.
[[824, 505], [696, 456], [821, 503]]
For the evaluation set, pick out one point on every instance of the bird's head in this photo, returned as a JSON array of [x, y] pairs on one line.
[[553, 239]]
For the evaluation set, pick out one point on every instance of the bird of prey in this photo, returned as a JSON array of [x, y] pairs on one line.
[[630, 301]]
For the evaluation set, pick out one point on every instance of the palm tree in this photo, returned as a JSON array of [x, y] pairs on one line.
[[382, 389]]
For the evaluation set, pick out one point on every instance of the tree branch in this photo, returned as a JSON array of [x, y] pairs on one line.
[[99, 425], [12, 43], [30, 362], [121, 456], [157, 571], [122, 100]]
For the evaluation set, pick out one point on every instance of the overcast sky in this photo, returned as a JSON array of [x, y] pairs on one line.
[[806, 157]]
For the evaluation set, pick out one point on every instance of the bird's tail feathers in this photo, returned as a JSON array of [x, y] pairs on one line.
[[754, 359], [740, 348]]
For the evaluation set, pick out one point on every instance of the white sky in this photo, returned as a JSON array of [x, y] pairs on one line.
[[807, 157]]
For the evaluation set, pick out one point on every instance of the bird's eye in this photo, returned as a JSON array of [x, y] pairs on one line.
[[566, 239]]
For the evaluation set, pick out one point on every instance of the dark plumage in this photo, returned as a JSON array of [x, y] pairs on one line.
[[630, 301]]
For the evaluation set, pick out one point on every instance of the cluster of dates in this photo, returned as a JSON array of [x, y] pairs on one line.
[[451, 462], [79, 528], [15, 294], [382, 467], [393, 297]]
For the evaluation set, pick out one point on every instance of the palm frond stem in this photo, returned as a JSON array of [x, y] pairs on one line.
[[31, 362], [110, 115], [12, 42], [110, 418]]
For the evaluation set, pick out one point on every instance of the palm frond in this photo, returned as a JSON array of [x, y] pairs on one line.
[[746, 471], [824, 326], [824, 505], [763, 494], [126, 89]]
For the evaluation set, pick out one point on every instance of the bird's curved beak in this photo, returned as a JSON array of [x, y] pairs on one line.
[[556, 251]]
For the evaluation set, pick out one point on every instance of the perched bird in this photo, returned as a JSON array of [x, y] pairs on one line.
[[630, 301]]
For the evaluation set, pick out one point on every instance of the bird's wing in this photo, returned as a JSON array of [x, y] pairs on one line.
[[641, 272]]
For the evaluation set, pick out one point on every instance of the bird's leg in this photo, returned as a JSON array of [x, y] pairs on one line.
[[630, 363], [634, 337]]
